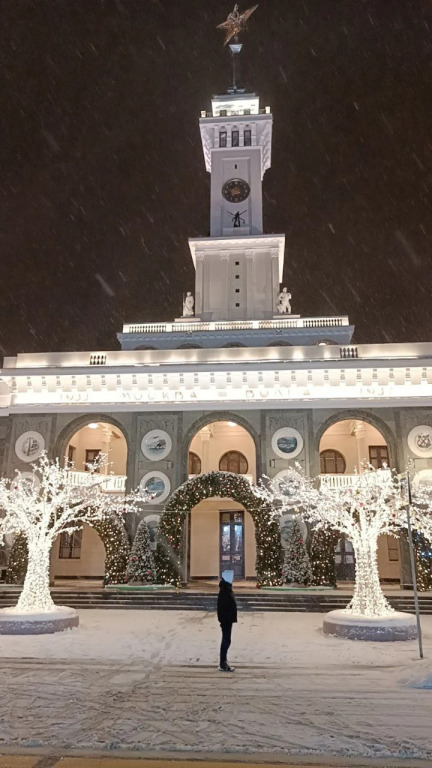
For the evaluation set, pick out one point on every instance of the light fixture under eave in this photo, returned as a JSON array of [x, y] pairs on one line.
[[232, 424], [93, 425]]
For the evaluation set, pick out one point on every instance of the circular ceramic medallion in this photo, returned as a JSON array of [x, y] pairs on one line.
[[31, 479], [153, 522], [156, 445], [420, 441], [287, 443], [29, 446], [279, 482], [157, 485], [423, 477]]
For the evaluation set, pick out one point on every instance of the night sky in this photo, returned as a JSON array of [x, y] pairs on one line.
[[103, 178]]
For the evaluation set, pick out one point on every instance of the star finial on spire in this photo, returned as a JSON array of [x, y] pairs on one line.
[[236, 22]]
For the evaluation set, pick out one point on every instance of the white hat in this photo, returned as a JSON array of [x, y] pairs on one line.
[[228, 576]]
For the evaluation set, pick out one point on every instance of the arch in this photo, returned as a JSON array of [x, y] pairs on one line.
[[237, 488], [144, 348], [65, 436], [369, 418], [113, 536], [231, 457], [210, 418], [189, 346]]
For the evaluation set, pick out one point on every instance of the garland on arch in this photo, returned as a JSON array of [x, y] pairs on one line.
[[269, 554]]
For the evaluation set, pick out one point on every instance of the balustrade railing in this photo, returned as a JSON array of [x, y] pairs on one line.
[[107, 483]]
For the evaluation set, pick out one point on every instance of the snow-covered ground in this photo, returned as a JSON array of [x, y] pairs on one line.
[[147, 680]]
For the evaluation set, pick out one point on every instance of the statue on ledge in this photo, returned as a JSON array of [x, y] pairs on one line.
[[284, 304], [188, 305]]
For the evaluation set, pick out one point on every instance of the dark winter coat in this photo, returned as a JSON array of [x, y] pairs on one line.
[[226, 604]]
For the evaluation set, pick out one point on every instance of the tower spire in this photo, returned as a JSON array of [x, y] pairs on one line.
[[235, 23]]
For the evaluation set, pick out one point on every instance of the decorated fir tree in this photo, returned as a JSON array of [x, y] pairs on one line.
[[167, 567], [141, 566], [296, 567], [322, 557], [17, 562], [423, 561]]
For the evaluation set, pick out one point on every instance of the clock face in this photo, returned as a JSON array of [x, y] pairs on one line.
[[236, 190]]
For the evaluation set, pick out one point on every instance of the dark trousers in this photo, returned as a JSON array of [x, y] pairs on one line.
[[226, 642]]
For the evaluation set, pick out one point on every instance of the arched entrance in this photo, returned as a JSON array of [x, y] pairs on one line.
[[110, 534], [226, 488], [221, 533], [344, 448], [86, 554]]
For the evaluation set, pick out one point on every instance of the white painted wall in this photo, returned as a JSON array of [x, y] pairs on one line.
[[352, 439], [211, 442], [107, 439], [90, 564]]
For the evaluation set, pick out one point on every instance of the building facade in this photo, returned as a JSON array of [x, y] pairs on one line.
[[239, 383]]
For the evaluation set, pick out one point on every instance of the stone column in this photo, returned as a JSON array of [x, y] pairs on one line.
[[275, 279], [199, 285]]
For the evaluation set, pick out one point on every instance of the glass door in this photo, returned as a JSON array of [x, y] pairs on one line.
[[344, 560], [231, 546]]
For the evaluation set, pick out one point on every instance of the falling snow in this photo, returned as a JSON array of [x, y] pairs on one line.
[[103, 178]]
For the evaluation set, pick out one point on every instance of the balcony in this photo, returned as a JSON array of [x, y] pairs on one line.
[[107, 483], [238, 325], [339, 481]]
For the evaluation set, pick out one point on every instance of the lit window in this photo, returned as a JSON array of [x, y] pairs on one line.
[[332, 463], [235, 462], [194, 464], [222, 139], [70, 545]]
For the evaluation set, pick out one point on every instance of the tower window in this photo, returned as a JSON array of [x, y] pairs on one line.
[[246, 111], [235, 138], [237, 290], [223, 113], [222, 138], [248, 138], [237, 304], [237, 263], [237, 277]]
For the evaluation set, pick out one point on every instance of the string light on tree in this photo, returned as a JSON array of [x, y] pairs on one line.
[[372, 506], [39, 509]]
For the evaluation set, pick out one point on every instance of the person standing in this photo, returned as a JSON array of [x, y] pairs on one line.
[[227, 616]]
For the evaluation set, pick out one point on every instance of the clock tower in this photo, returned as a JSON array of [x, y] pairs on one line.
[[238, 268]]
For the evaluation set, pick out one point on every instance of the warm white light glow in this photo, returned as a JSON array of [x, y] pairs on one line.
[[364, 510], [232, 424], [93, 425], [51, 505]]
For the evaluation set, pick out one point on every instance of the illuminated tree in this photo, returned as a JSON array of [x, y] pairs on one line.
[[373, 505], [40, 508], [322, 557], [141, 566], [296, 566]]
